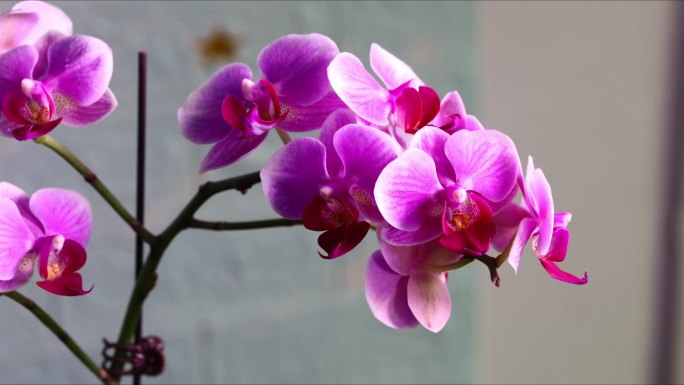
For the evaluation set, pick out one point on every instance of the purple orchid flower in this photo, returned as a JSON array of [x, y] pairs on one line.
[[404, 102], [403, 289], [58, 79], [236, 113], [28, 21], [52, 226], [328, 183], [548, 230], [445, 186]]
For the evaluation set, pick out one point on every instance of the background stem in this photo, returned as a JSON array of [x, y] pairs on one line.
[[60, 333]]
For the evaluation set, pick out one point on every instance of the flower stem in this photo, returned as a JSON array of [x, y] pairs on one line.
[[284, 136], [100, 187], [147, 278], [247, 225], [60, 333]]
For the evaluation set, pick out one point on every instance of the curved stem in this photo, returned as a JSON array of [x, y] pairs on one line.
[[284, 136], [60, 333], [100, 187], [247, 225], [491, 263], [147, 278]]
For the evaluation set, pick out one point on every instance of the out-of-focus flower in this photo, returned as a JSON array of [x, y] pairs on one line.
[[329, 182], [548, 230], [237, 113], [445, 186], [52, 226], [402, 288], [28, 21], [57, 79]]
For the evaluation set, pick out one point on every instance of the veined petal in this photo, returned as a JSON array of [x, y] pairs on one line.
[[80, 67], [14, 28], [16, 239], [364, 152], [200, 117], [15, 65], [386, 294], [50, 18], [429, 300], [428, 231], [297, 66], [407, 189], [402, 259], [507, 222], [69, 285], [22, 275], [64, 212], [76, 115], [432, 141], [541, 191], [357, 88], [525, 230], [391, 70], [300, 118], [294, 176], [42, 45], [452, 113], [484, 161], [230, 150], [332, 124], [21, 199]]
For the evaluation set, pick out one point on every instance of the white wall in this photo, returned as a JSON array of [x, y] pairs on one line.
[[582, 87]]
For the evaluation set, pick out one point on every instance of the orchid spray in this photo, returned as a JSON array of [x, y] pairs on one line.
[[389, 160]]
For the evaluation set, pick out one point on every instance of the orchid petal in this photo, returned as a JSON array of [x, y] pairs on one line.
[[79, 67], [14, 28], [472, 123], [562, 219], [507, 222], [557, 253], [297, 66], [200, 117], [332, 124], [428, 231], [341, 240], [484, 161], [23, 274], [364, 152], [432, 141], [402, 259], [391, 70], [294, 176], [300, 118], [16, 239], [429, 300], [64, 212], [525, 230], [50, 18], [76, 115], [540, 189], [407, 189], [557, 273], [15, 65], [69, 285], [230, 150], [357, 88], [452, 113], [42, 45], [21, 199], [386, 294]]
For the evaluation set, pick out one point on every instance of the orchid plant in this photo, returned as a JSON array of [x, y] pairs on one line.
[[436, 188]]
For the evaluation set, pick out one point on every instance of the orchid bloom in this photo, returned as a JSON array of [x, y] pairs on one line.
[[52, 226], [236, 113], [548, 230], [402, 288], [444, 186], [57, 79], [28, 21], [328, 183]]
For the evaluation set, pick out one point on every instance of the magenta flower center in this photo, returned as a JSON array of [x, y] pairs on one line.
[[265, 108], [416, 108], [462, 212]]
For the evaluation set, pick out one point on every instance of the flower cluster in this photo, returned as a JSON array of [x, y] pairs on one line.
[[429, 178], [48, 75]]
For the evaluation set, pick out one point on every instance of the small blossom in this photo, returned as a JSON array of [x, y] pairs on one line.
[[58, 79], [53, 227], [236, 113]]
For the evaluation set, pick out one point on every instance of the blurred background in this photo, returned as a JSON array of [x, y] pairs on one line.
[[584, 87]]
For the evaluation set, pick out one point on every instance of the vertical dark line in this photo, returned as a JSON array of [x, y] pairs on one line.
[[665, 337], [140, 189]]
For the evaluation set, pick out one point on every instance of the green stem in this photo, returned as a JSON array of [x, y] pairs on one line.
[[60, 333], [247, 225], [147, 278], [491, 263], [100, 187]]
